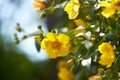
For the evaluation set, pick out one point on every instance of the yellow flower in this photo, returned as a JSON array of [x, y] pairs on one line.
[[111, 6], [65, 74], [39, 4], [107, 57], [56, 45], [72, 9]]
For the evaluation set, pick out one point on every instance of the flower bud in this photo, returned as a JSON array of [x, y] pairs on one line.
[[100, 70], [43, 15], [18, 28], [24, 37], [16, 41], [39, 27], [70, 61], [88, 17]]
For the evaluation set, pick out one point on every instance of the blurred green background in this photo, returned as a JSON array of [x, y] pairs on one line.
[[16, 66]]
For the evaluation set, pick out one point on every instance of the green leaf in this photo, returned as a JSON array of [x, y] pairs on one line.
[[117, 63], [110, 28], [37, 45], [70, 33]]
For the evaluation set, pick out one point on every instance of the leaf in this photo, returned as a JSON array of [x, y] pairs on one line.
[[37, 45], [70, 33], [117, 63]]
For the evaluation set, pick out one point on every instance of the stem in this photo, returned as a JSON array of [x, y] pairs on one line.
[[72, 67]]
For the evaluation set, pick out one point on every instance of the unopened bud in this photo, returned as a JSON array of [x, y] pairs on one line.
[[100, 70], [39, 27], [16, 41], [18, 28], [88, 17], [108, 70], [43, 15], [70, 61], [24, 37], [54, 31], [15, 35], [87, 4]]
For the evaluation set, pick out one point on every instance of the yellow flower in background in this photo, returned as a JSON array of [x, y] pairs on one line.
[[111, 6], [65, 74], [39, 4], [80, 29], [56, 45], [107, 57], [72, 9], [80, 22]]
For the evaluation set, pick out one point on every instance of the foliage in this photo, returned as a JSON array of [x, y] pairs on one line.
[[93, 28]]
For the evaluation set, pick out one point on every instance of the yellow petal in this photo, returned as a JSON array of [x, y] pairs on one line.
[[108, 11], [107, 60], [80, 22], [105, 48], [73, 15], [75, 1], [65, 74], [104, 4], [63, 38], [51, 36], [68, 8]]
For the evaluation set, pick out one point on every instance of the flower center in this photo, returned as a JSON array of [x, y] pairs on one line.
[[56, 45]]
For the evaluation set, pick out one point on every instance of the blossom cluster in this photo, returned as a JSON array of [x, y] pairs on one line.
[[88, 30], [92, 32]]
